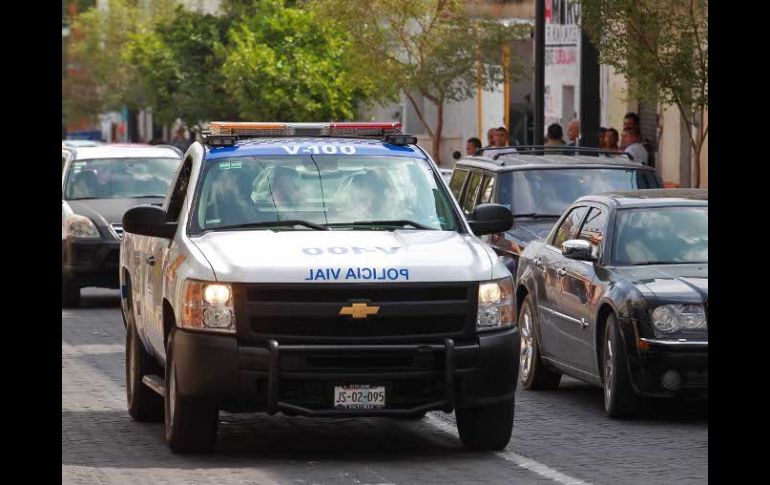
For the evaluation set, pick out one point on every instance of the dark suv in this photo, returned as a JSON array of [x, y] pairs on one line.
[[538, 184]]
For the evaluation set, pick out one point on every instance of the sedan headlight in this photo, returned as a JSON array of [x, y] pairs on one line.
[[673, 319], [81, 227], [495, 310], [208, 306]]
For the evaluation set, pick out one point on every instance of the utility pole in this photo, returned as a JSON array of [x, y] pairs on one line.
[[589, 92], [539, 127]]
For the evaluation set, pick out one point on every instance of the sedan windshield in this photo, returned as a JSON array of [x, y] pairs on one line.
[[662, 235], [549, 192], [115, 178], [336, 192]]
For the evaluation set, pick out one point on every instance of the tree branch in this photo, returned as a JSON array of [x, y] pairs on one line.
[[419, 113], [689, 123], [701, 60]]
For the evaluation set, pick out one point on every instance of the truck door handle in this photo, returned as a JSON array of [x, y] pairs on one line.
[[150, 260], [561, 271]]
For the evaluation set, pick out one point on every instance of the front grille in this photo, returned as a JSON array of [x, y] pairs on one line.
[[311, 313], [117, 230], [371, 327]]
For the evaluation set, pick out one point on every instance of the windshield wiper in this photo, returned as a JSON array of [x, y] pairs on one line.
[[293, 222], [395, 222], [536, 215]]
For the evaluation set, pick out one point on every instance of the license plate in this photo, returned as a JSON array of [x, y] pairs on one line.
[[359, 396]]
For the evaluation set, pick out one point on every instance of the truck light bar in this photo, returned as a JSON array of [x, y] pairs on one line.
[[226, 133]]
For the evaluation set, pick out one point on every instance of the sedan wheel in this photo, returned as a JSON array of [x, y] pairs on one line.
[[620, 399], [527, 345], [533, 372]]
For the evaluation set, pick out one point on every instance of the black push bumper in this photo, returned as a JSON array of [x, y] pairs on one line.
[[91, 262], [299, 379]]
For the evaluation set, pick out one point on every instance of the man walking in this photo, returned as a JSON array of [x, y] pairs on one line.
[[632, 144]]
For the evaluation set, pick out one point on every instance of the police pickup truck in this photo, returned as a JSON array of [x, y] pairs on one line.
[[316, 269]]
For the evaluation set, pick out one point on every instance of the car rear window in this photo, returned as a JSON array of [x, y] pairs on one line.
[[552, 191]]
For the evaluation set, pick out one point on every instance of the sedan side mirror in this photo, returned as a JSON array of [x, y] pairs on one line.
[[577, 249], [148, 220], [489, 219]]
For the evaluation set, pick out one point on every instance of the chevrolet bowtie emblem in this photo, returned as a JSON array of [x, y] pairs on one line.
[[359, 310]]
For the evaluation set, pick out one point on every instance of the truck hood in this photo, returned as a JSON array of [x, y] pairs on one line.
[[345, 256]]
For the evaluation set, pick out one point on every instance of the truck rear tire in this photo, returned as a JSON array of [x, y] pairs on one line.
[[144, 404], [190, 426], [486, 428]]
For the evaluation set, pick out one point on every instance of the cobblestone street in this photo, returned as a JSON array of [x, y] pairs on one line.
[[559, 437]]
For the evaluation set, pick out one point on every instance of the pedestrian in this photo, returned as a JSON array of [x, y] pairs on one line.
[[500, 145], [180, 141], [472, 146], [611, 138], [490, 137], [554, 136], [501, 137], [631, 120], [632, 144], [573, 133]]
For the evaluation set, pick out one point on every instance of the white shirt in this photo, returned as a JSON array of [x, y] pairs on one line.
[[491, 152], [637, 151]]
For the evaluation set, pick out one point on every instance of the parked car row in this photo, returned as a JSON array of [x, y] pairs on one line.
[[612, 288]]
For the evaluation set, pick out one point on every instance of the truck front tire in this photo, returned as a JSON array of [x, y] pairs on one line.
[[190, 426], [486, 428]]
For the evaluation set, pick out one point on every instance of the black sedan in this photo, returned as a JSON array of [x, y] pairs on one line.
[[617, 295]]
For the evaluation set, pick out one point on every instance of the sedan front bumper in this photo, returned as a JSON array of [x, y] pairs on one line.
[[670, 367], [91, 262]]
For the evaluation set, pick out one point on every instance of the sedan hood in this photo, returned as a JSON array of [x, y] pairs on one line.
[[108, 211], [345, 256], [685, 282]]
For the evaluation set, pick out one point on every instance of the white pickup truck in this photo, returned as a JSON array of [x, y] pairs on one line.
[[316, 269]]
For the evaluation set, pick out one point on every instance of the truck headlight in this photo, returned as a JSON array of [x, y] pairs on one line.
[[671, 319], [208, 306], [495, 309], [81, 227]]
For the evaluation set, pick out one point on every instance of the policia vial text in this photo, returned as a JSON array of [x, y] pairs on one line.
[[336, 274]]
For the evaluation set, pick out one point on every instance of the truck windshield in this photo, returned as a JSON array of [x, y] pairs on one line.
[[340, 192], [551, 191], [116, 178]]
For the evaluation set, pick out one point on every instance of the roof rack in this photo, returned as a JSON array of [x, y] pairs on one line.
[[226, 133], [555, 150]]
